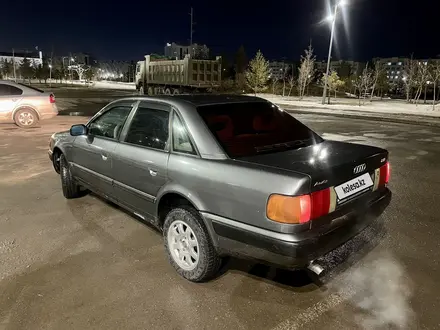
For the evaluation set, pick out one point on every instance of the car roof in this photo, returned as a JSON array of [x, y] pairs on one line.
[[197, 100], [28, 90], [210, 99]]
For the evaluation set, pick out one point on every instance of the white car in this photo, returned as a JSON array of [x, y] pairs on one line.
[[25, 105]]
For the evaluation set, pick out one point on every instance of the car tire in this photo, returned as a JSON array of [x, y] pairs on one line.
[[26, 118], [70, 188], [207, 263], [141, 90]]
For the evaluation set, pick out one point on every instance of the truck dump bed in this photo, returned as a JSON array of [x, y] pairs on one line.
[[187, 72]]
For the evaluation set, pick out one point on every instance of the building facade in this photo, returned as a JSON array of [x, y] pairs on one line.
[[278, 70], [179, 52], [35, 58], [342, 67], [395, 67]]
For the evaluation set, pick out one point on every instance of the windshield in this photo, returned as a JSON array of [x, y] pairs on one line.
[[251, 128]]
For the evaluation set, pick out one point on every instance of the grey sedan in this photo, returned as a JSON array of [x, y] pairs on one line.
[[25, 105], [222, 175]]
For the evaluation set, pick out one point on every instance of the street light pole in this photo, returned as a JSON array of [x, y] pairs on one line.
[[324, 93], [50, 75]]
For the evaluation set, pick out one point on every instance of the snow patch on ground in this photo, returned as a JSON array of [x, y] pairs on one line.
[[350, 105]]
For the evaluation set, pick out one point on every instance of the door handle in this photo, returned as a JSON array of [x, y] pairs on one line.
[[153, 173], [104, 157]]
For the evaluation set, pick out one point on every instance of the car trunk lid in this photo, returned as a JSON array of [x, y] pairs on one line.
[[349, 169]]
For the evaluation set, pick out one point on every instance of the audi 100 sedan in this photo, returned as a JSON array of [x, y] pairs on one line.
[[223, 175]]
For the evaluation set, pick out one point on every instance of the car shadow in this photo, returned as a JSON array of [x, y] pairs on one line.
[[334, 263]]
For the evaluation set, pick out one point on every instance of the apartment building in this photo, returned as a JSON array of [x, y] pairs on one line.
[[178, 52], [278, 70]]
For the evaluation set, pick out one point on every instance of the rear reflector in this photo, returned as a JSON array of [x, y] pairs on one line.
[[320, 203], [384, 174], [52, 98]]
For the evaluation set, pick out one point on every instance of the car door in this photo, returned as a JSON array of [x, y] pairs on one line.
[[10, 97], [92, 154], [141, 159]]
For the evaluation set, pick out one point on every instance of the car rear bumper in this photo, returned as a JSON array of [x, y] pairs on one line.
[[299, 249]]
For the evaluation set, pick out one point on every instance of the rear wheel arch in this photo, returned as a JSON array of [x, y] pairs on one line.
[[168, 201]]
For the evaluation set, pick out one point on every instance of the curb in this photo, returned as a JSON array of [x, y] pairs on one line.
[[384, 117]]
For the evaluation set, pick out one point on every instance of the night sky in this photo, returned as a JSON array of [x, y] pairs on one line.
[[129, 29]]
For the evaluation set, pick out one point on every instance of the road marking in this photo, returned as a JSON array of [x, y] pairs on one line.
[[314, 312]]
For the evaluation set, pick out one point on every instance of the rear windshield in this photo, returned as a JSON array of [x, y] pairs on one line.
[[251, 128], [31, 87]]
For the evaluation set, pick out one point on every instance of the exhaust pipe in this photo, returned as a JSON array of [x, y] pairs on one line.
[[315, 268]]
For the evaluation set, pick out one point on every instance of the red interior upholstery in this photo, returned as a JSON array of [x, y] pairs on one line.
[[224, 127], [263, 123]]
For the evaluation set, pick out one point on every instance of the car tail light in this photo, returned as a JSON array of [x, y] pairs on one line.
[[52, 98], [288, 209], [384, 174]]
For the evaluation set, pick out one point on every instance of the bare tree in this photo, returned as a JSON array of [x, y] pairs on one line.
[[409, 77], [306, 70], [80, 69], [422, 75], [292, 83], [363, 83], [434, 75], [274, 82], [378, 69]]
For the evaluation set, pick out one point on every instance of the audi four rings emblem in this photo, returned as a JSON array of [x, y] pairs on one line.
[[359, 169]]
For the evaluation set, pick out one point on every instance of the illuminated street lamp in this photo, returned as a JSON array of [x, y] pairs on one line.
[[50, 75], [331, 18]]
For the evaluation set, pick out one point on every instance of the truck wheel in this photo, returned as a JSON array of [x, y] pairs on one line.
[[70, 188], [141, 90], [176, 91], [189, 246], [150, 91], [167, 91], [26, 118]]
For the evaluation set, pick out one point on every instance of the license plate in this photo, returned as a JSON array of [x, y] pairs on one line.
[[354, 186]]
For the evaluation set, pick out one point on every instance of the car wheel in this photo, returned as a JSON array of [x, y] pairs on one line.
[[141, 90], [70, 188], [26, 118], [189, 246]]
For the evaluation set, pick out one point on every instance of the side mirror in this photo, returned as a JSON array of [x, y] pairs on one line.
[[77, 130]]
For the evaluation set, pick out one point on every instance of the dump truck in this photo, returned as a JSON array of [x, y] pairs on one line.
[[157, 75]]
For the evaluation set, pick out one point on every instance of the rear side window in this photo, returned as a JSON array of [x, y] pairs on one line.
[[181, 141], [252, 128], [149, 128], [32, 87], [8, 90]]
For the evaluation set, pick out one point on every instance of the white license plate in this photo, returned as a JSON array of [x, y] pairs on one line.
[[354, 186]]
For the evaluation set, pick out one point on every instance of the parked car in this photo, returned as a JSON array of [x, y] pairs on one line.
[[222, 175], [25, 105]]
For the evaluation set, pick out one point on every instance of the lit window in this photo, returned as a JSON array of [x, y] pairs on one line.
[[398, 72], [396, 77], [389, 63], [392, 72], [388, 77], [400, 63], [426, 63]]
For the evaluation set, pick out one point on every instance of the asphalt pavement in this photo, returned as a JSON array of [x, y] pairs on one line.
[[85, 263]]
